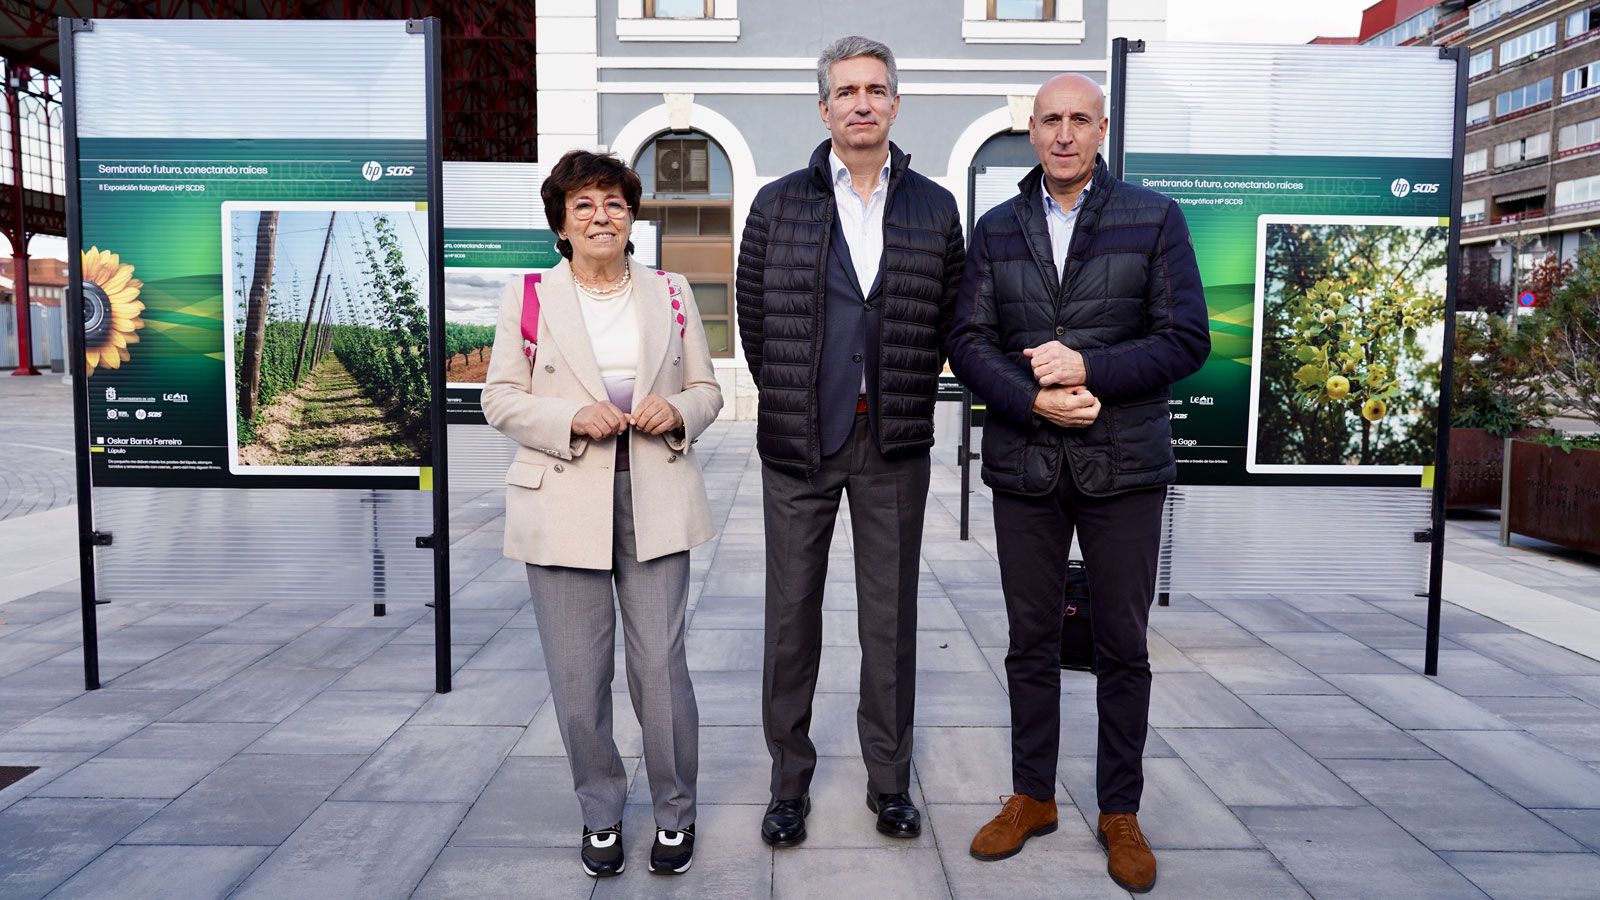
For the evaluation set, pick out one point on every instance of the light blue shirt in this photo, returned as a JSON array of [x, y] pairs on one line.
[[1062, 223]]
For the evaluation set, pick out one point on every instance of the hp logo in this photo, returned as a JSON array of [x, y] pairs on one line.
[[1400, 187], [373, 170]]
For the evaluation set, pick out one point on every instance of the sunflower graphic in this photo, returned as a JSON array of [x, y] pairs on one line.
[[111, 308]]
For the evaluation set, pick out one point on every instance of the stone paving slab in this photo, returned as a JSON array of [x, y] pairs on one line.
[[297, 749]]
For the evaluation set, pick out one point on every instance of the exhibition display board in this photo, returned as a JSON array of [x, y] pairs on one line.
[[256, 250], [1320, 185]]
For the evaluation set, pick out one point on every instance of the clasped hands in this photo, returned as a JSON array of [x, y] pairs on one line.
[[602, 419], [1063, 398]]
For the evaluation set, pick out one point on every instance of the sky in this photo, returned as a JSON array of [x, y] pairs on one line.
[[1263, 21]]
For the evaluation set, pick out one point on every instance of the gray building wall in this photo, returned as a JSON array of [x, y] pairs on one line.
[[921, 28], [782, 130]]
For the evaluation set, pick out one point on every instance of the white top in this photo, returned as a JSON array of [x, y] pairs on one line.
[[614, 335], [1062, 223], [861, 219]]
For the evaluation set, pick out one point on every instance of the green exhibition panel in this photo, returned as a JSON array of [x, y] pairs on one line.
[[256, 245], [1320, 186]]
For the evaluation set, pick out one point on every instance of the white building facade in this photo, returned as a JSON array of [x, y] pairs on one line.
[[711, 99]]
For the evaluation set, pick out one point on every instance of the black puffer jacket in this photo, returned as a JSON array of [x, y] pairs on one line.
[[780, 299], [1130, 302]]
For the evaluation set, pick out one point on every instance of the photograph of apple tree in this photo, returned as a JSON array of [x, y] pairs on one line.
[[1352, 335]]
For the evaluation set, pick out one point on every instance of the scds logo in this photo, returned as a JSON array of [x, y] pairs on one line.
[[374, 170], [1401, 187]]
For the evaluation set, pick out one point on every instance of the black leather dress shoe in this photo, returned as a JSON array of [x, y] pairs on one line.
[[897, 815], [785, 822]]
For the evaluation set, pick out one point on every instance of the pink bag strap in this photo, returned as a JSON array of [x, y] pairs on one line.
[[675, 294], [530, 314]]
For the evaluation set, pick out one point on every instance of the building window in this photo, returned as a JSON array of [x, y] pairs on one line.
[[1414, 27], [688, 193], [678, 9], [1475, 162], [1480, 63], [1025, 10], [1534, 146], [1527, 44], [1023, 21], [1473, 212], [1576, 81], [677, 20], [1578, 191], [1518, 99], [1579, 136], [1478, 113], [1582, 22], [1489, 10]]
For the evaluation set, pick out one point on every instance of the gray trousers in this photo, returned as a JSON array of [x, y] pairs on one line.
[[577, 628], [887, 500]]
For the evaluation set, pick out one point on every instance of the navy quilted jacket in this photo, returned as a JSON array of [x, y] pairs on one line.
[[1130, 302], [781, 280]]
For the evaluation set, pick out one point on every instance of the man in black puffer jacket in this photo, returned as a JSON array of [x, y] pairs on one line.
[[848, 272], [1080, 306]]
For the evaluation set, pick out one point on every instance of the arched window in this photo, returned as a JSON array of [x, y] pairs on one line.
[[688, 192]]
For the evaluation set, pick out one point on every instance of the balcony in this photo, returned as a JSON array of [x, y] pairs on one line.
[[1589, 35], [1522, 216], [1509, 14]]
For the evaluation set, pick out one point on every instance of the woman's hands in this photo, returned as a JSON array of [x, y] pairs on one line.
[[603, 419], [654, 415], [599, 420]]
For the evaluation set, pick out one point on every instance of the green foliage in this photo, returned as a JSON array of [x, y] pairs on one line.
[[462, 340], [389, 358], [1567, 331], [1566, 443], [1499, 385], [1346, 376]]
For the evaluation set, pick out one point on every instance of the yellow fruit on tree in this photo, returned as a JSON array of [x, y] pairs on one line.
[[1373, 409], [1338, 387]]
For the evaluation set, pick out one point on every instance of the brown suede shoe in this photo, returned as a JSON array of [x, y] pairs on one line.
[[1131, 864], [1021, 818]]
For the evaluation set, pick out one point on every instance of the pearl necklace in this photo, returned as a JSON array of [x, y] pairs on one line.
[[606, 292]]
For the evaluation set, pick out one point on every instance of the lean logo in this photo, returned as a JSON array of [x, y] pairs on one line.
[[1400, 187], [372, 171]]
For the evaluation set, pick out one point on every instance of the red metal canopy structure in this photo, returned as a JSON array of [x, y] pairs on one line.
[[488, 69]]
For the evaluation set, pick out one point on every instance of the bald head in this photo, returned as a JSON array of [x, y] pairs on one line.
[[1070, 86], [1068, 125]]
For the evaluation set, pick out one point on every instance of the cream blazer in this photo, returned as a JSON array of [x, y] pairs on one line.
[[559, 489]]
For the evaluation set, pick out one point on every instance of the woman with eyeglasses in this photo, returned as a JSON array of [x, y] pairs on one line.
[[601, 372]]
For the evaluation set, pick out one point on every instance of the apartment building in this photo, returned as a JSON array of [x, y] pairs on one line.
[[1532, 167]]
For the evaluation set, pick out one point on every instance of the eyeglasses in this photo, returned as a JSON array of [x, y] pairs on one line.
[[584, 210]]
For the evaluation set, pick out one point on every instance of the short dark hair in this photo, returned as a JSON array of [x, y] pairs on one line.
[[579, 169]]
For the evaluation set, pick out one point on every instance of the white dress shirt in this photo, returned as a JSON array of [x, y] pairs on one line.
[[1062, 223], [861, 219]]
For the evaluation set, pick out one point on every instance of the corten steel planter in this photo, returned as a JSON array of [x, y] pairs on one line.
[[1555, 496], [1477, 463]]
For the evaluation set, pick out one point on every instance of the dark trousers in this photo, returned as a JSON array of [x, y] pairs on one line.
[[1120, 536], [887, 499]]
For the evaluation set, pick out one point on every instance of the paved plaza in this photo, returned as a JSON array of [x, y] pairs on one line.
[[297, 750]]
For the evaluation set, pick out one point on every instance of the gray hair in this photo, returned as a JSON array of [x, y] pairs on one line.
[[849, 48]]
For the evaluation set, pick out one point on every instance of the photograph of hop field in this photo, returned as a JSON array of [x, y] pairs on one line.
[[329, 328], [471, 307], [1351, 333]]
